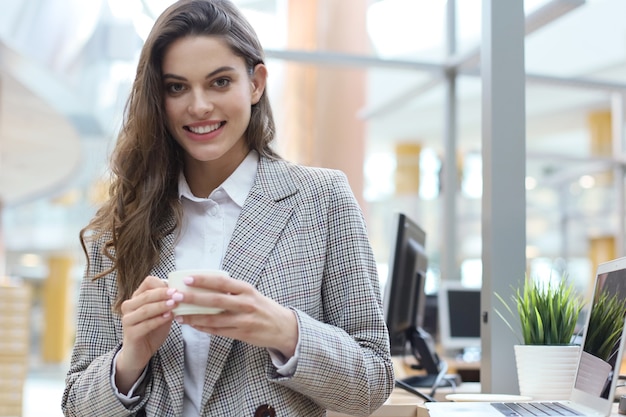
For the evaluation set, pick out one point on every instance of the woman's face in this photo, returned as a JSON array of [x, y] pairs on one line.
[[208, 97]]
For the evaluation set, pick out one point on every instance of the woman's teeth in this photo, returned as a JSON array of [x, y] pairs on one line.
[[201, 130]]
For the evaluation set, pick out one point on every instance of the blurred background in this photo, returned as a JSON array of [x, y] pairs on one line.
[[357, 85]]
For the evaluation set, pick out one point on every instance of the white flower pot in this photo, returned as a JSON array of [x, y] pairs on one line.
[[546, 372]]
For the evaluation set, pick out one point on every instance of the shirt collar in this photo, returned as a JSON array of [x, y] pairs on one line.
[[237, 186]]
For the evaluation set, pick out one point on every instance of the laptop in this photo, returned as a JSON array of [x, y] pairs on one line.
[[587, 399]]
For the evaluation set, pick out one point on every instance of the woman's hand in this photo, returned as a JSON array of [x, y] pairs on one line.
[[146, 320], [248, 315]]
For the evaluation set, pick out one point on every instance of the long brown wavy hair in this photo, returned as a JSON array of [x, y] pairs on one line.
[[146, 161]]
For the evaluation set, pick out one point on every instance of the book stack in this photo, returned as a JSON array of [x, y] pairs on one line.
[[15, 310]]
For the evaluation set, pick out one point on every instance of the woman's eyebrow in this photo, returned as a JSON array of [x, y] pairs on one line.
[[209, 75], [176, 77], [218, 70]]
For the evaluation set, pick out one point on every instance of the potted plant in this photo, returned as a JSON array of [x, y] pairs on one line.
[[604, 331], [546, 358]]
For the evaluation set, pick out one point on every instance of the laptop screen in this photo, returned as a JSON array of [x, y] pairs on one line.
[[603, 341]]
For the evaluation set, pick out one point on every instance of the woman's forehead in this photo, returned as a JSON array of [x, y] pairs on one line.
[[200, 53]]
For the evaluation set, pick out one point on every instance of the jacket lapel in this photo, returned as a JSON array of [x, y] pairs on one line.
[[261, 222]]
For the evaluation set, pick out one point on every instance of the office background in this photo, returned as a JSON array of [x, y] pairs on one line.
[[363, 86]]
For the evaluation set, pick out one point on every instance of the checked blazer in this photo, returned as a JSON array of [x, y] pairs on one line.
[[300, 239]]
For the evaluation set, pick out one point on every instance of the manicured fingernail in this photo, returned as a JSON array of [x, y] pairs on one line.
[[171, 291], [177, 296], [179, 319], [188, 280], [170, 303]]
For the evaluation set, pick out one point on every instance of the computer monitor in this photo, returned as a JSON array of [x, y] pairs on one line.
[[404, 299], [459, 316]]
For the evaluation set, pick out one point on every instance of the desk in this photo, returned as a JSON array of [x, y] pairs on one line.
[[468, 371], [399, 404], [405, 404]]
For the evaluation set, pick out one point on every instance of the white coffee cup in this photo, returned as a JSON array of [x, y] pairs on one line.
[[175, 280]]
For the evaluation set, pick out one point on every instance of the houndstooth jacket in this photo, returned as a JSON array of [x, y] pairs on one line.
[[301, 240]]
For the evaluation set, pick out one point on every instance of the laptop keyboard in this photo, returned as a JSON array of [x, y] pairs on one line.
[[534, 409]]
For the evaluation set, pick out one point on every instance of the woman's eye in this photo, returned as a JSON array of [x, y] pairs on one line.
[[175, 88], [222, 82]]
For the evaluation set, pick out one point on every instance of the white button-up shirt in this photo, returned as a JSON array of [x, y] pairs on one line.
[[207, 226]]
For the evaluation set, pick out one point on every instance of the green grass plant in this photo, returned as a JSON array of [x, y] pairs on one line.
[[547, 313]]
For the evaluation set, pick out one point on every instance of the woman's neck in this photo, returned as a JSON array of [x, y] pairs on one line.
[[204, 177]]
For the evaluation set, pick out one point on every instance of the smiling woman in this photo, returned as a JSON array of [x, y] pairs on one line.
[[195, 186]]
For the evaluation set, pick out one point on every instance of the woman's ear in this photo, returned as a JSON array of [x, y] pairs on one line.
[[258, 82]]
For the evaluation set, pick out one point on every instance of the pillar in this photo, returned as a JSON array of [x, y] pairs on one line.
[[601, 142], [321, 103], [57, 337], [601, 248], [504, 195], [407, 177]]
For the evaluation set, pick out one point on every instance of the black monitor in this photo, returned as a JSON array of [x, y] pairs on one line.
[[405, 297]]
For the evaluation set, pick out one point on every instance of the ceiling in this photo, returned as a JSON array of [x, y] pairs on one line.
[[39, 148], [61, 98]]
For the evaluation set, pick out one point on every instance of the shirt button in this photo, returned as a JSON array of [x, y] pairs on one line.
[[213, 211]]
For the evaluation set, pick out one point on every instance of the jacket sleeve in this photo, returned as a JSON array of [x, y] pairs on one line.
[[345, 363], [88, 389]]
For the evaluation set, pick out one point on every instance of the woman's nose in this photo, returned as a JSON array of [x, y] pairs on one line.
[[200, 105]]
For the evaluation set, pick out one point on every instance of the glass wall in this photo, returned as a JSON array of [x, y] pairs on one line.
[[80, 57]]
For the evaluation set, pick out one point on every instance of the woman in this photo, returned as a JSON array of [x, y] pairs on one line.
[[196, 185]]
